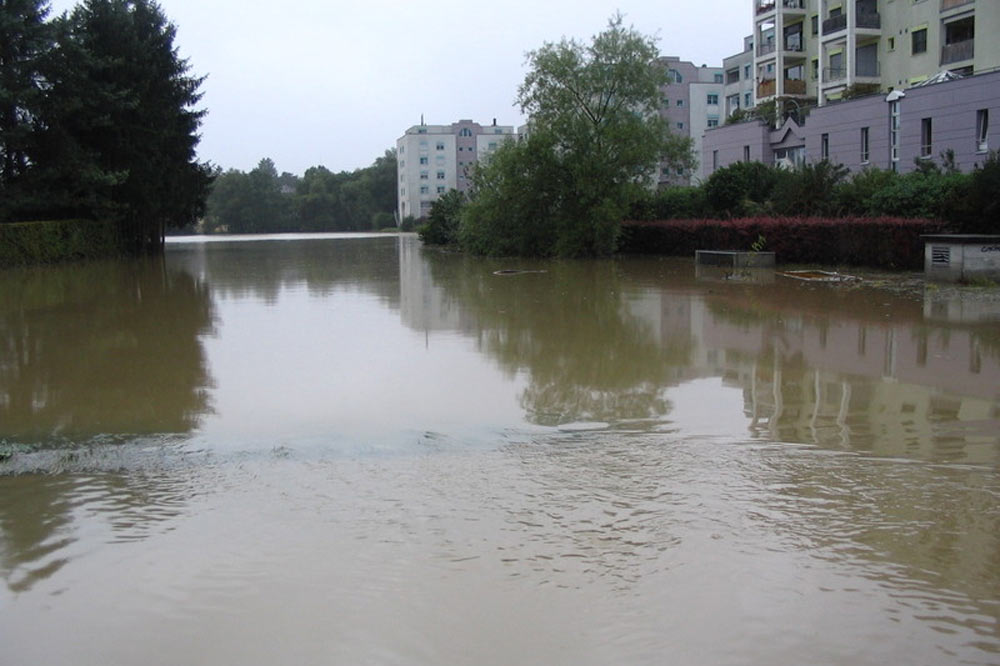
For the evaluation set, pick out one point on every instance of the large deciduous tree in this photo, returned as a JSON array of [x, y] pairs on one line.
[[595, 139]]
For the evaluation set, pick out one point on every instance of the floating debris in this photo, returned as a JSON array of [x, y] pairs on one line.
[[514, 271], [819, 276]]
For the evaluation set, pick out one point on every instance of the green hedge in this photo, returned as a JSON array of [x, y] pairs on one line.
[[883, 242], [23, 243]]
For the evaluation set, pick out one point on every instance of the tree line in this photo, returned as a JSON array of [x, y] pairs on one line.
[[262, 201], [98, 119]]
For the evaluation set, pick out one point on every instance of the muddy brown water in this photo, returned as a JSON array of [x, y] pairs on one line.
[[355, 450]]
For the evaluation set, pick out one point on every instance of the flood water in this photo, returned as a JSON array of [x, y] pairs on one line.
[[354, 450]]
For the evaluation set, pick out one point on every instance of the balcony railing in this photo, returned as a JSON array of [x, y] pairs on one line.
[[834, 24], [951, 4], [795, 87], [834, 73], [765, 6], [871, 20], [766, 88], [866, 69], [764, 49], [793, 43], [958, 51]]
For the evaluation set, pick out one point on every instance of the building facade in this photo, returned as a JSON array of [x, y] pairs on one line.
[[739, 79], [692, 102], [886, 131], [432, 159], [821, 49]]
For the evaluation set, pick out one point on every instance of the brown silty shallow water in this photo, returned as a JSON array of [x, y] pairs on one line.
[[356, 450]]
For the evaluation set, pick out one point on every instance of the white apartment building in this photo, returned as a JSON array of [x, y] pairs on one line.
[[820, 49], [432, 159], [692, 102]]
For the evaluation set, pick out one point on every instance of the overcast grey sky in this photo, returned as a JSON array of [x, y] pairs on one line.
[[335, 83]]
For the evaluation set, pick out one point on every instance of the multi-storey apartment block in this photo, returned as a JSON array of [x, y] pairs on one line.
[[739, 79], [820, 49], [692, 102], [432, 159]]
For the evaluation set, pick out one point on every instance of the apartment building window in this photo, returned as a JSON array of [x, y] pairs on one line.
[[423, 160], [747, 100], [680, 125], [424, 175], [746, 72], [815, 68], [814, 24], [440, 145], [713, 122], [926, 137], [712, 99], [440, 189], [402, 163], [892, 43], [465, 131], [491, 146], [680, 102], [715, 160], [824, 146], [440, 175], [894, 135], [982, 130], [718, 78], [746, 153], [865, 155], [424, 189], [919, 41], [675, 76]]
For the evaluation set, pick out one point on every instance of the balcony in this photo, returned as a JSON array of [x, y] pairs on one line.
[[833, 74], [870, 20], [795, 87], [765, 6], [958, 51], [765, 49], [951, 4], [794, 43], [866, 70], [834, 24], [766, 88]]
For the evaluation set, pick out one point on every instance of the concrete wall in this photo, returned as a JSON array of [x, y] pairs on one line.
[[729, 142]]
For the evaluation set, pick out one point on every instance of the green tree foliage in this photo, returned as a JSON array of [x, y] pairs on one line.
[[595, 138], [807, 190], [24, 38], [442, 223], [741, 188], [115, 130], [262, 201]]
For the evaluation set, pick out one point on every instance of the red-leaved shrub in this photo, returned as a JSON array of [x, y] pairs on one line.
[[881, 242]]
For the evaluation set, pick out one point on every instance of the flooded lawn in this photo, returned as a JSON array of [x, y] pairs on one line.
[[354, 450]]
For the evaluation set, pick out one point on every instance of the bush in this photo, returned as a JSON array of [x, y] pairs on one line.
[[409, 223], [442, 223], [878, 242], [976, 209], [24, 243], [382, 220], [739, 188], [807, 190], [671, 203]]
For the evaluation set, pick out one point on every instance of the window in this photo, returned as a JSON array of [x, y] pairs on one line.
[[680, 125], [715, 160], [894, 135], [402, 149], [424, 189], [680, 102], [814, 24], [423, 160], [465, 131], [747, 101], [982, 130], [815, 68], [746, 72], [718, 78], [824, 146], [440, 189], [746, 153], [424, 175], [926, 138], [423, 144], [919, 41], [675, 76], [402, 163], [892, 43], [422, 130], [492, 146], [713, 122], [440, 145], [440, 175], [713, 99], [865, 155]]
